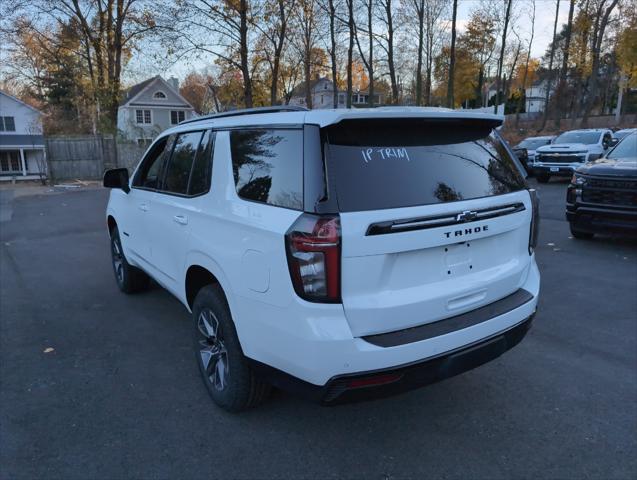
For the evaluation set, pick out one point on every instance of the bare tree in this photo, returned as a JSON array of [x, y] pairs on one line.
[[108, 29], [550, 69], [388, 45], [561, 83], [306, 19], [526, 66], [273, 24], [498, 78], [452, 56], [368, 60], [601, 21], [351, 25]]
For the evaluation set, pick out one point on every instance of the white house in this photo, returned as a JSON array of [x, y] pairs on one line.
[[22, 152], [536, 96], [322, 94], [151, 107], [323, 91]]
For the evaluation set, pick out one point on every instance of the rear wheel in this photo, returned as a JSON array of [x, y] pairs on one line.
[[129, 279], [231, 383], [543, 177], [580, 234]]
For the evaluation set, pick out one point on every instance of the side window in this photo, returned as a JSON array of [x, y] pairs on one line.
[[149, 172], [267, 165], [180, 163], [201, 170]]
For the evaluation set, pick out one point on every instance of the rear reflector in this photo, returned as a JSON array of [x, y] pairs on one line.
[[374, 381]]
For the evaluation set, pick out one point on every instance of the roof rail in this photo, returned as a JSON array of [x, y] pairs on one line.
[[248, 111]]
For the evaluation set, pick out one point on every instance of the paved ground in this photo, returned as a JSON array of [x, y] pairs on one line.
[[120, 394]]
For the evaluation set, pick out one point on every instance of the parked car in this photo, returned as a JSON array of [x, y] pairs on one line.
[[620, 134], [569, 151], [602, 196], [525, 150], [332, 253]]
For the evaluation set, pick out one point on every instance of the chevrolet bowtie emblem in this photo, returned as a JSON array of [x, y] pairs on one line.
[[466, 216]]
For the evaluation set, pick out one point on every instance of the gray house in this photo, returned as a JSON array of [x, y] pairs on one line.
[[22, 152], [151, 107]]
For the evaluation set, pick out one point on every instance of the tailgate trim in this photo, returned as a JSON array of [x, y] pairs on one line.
[[451, 324], [421, 223]]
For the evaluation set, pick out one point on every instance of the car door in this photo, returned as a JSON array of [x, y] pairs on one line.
[[177, 201], [134, 224]]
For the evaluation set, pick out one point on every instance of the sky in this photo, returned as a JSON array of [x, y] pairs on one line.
[[143, 66]]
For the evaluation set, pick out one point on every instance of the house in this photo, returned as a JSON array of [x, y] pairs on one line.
[[150, 107], [536, 96], [323, 91], [22, 152]]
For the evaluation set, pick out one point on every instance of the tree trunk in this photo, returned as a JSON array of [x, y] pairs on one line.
[[420, 10], [332, 10], [278, 50], [452, 57], [501, 60], [370, 66], [350, 51], [550, 74], [598, 36], [561, 84], [245, 61], [522, 99], [390, 52]]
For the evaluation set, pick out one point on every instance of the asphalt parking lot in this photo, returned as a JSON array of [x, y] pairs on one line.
[[119, 394]]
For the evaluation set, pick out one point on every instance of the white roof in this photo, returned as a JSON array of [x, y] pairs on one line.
[[326, 117]]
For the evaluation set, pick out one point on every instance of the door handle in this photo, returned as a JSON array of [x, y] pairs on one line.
[[143, 207], [181, 219]]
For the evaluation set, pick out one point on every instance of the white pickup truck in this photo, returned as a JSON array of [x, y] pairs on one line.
[[569, 151]]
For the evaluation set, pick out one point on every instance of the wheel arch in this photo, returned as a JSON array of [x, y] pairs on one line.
[[201, 270], [111, 224]]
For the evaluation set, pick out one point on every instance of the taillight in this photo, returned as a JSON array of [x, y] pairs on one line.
[[535, 220], [314, 257]]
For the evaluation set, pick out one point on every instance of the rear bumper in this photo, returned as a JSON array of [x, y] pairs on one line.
[[364, 385], [306, 350]]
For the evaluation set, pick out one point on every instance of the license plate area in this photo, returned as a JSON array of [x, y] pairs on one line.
[[555, 169], [458, 259]]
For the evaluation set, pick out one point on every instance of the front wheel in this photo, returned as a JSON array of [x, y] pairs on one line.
[[580, 234], [129, 279], [230, 382]]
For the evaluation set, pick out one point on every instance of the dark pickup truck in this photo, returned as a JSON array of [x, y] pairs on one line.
[[602, 196]]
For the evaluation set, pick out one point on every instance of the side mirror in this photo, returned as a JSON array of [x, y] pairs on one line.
[[117, 178], [613, 142]]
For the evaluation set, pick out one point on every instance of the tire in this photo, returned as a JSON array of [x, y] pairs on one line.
[[543, 177], [231, 383], [580, 234], [129, 279]]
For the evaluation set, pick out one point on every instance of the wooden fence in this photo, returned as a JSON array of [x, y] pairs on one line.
[[86, 157]]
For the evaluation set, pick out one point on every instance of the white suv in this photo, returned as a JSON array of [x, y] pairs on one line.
[[334, 254]]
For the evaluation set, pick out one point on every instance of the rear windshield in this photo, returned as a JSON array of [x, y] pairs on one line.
[[390, 164]]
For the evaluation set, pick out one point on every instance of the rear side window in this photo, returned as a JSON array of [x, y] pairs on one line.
[[181, 161], [267, 165], [201, 169], [378, 164]]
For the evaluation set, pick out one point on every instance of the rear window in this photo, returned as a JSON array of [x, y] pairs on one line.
[[267, 165], [390, 164]]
